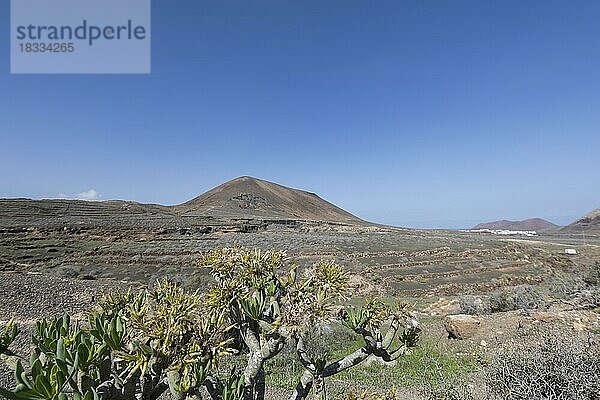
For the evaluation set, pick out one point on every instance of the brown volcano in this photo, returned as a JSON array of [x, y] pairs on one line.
[[252, 198]]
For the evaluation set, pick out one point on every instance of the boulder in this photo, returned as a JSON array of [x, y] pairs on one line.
[[461, 326], [443, 307]]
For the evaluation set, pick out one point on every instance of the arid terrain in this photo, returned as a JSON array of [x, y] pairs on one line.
[[59, 255]]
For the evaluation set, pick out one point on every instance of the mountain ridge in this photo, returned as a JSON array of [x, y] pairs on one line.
[[531, 224], [590, 222]]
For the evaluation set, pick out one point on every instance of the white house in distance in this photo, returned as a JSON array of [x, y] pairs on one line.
[[506, 232]]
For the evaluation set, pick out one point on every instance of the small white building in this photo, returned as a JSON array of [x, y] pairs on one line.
[[570, 251]]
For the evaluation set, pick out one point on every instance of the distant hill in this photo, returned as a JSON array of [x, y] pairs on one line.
[[588, 223], [63, 212], [532, 224], [253, 198], [241, 199]]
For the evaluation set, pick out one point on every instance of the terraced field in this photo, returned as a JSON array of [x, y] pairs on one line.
[[395, 260]]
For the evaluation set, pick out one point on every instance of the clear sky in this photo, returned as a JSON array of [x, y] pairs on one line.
[[414, 113]]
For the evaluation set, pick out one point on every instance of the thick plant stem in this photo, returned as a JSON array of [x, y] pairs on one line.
[[262, 348], [303, 387], [347, 362], [259, 386], [251, 373]]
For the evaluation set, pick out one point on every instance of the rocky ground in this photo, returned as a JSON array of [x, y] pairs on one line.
[[46, 271], [30, 296]]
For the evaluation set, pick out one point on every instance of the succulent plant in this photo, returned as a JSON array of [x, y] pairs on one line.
[[233, 387], [135, 343], [139, 344], [8, 335]]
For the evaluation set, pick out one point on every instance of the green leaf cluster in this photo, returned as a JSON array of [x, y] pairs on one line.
[[8, 335]]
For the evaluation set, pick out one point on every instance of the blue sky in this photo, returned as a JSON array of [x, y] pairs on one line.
[[414, 113]]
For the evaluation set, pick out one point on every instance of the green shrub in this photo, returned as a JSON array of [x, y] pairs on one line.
[[134, 343], [523, 297], [141, 344]]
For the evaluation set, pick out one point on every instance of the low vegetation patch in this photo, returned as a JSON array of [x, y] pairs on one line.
[[552, 366], [138, 345]]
